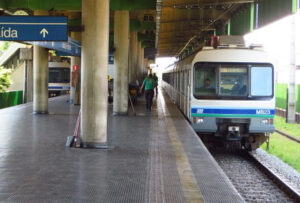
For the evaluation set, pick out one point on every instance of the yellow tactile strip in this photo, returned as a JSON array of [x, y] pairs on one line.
[[188, 182]]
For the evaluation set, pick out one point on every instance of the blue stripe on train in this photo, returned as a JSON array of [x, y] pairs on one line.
[[233, 111], [57, 87]]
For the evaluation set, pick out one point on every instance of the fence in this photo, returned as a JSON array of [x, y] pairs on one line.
[[8, 99], [281, 91]]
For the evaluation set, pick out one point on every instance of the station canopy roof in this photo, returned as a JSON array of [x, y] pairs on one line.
[[186, 20], [175, 22]]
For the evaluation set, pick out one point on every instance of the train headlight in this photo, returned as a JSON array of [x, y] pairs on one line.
[[266, 121], [200, 120]]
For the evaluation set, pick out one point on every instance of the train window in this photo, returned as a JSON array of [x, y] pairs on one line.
[[233, 81], [205, 80], [261, 77], [59, 75]]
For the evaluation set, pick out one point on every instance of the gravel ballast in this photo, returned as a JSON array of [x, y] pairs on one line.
[[250, 182], [283, 170]]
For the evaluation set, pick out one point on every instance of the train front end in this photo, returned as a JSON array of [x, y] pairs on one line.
[[59, 78], [233, 95]]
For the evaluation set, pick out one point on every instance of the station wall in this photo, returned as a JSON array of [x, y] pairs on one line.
[[18, 78]]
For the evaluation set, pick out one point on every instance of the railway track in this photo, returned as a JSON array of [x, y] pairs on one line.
[[275, 178], [253, 180], [287, 136]]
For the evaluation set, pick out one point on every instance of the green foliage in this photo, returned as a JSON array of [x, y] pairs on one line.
[[4, 46], [292, 129], [4, 79], [285, 149]]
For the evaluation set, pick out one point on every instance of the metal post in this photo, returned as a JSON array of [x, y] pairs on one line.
[[291, 111]]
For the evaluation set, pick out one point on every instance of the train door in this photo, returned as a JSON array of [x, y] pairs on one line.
[[173, 85], [180, 89], [188, 93], [185, 92]]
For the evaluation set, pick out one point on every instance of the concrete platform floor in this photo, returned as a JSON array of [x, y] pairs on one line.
[[154, 157]]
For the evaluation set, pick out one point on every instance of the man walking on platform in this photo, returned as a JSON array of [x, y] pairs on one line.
[[149, 84], [156, 80]]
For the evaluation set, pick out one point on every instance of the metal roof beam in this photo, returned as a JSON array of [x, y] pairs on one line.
[[185, 21], [205, 4], [191, 30]]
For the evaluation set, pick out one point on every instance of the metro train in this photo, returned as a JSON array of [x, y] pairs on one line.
[[60, 75], [59, 78], [226, 92]]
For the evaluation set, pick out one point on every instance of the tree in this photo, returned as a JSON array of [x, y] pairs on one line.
[[4, 79], [4, 46]]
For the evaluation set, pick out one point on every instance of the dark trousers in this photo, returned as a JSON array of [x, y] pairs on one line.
[[156, 91], [149, 96]]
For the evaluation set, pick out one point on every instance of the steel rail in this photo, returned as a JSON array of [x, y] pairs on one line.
[[275, 178], [288, 136]]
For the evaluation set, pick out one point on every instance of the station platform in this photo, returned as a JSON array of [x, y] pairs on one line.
[[152, 157]]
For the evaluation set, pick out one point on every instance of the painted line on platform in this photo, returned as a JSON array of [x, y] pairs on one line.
[[187, 178]]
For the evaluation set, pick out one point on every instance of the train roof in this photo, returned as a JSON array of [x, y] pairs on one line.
[[63, 64], [234, 55]]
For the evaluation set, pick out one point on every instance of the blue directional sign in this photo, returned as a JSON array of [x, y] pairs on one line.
[[33, 28], [69, 48]]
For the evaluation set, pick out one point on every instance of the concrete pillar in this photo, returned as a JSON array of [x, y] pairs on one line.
[[26, 55], [29, 81], [138, 62], [40, 76], [94, 65], [121, 44], [291, 105], [40, 80], [75, 61], [146, 64], [136, 74], [132, 56], [142, 62]]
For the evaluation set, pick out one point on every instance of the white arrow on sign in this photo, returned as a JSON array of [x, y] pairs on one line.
[[44, 32]]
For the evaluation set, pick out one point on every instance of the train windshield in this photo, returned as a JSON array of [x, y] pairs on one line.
[[261, 77], [59, 75], [205, 81], [232, 81]]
